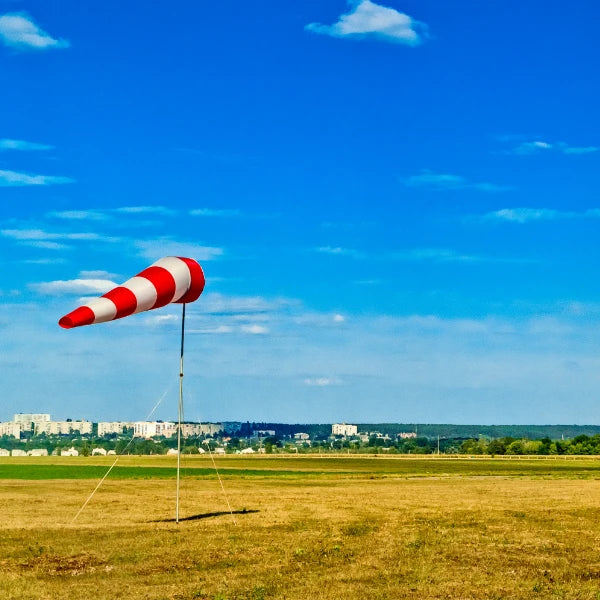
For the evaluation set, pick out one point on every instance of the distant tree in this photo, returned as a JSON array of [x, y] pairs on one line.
[[515, 448], [497, 447]]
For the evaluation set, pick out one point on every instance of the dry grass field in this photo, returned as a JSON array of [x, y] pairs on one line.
[[303, 528]]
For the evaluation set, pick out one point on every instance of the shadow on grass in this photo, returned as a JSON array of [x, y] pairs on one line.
[[221, 513]]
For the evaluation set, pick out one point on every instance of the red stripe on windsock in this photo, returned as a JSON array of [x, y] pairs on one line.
[[196, 283], [124, 299], [164, 283], [80, 316]]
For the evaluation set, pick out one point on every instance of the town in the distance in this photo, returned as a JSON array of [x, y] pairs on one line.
[[36, 434]]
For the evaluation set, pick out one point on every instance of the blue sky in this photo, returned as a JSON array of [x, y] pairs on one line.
[[396, 207]]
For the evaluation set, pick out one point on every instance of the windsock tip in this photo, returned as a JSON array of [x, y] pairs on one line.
[[80, 316], [66, 323]]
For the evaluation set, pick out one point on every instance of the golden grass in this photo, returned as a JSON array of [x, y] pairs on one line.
[[331, 537]]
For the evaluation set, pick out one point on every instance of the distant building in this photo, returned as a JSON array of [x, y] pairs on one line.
[[344, 429], [4, 452], [151, 429], [26, 419], [301, 436], [263, 433], [63, 427], [17, 452], [407, 435], [11, 429], [98, 452], [70, 452], [37, 452], [107, 428], [195, 429]]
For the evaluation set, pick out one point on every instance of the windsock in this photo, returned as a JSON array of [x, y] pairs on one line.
[[170, 279]]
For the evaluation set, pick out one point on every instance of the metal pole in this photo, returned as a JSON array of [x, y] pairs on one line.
[[180, 413]]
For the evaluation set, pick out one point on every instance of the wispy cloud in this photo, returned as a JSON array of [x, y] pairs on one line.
[[435, 255], [155, 249], [97, 275], [8, 144], [16, 179], [322, 381], [48, 240], [78, 215], [339, 251], [528, 215], [369, 20], [446, 181], [218, 304], [254, 329], [155, 210], [95, 214], [540, 146], [17, 30], [73, 286], [214, 212]]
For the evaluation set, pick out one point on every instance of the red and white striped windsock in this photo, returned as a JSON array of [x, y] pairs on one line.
[[170, 279]]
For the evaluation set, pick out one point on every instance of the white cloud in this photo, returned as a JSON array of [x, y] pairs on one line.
[[17, 30], [162, 319], [218, 304], [74, 286], [370, 20], [7, 144], [368, 282], [155, 249], [446, 181], [214, 212], [322, 381], [339, 318], [255, 329], [40, 234], [532, 147], [219, 330], [16, 179], [539, 146], [527, 215], [435, 254], [580, 149], [339, 251], [156, 210], [45, 245], [96, 275], [78, 215]]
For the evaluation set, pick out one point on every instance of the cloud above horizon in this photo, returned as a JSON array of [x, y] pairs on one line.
[[18, 179], [17, 30], [339, 251], [22, 145], [155, 249], [368, 20], [540, 146], [215, 212], [73, 286], [527, 215], [446, 181]]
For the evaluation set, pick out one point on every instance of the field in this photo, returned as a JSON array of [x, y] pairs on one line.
[[302, 527]]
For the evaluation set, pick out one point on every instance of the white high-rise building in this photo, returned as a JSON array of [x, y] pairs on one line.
[[24, 420], [344, 429], [11, 429]]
